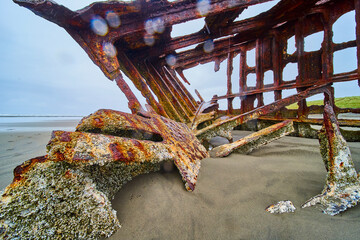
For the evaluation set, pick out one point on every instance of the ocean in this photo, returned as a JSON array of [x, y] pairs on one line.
[[38, 123]]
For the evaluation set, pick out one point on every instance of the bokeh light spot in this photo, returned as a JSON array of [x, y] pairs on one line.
[[149, 27], [113, 19], [208, 46], [149, 39], [170, 60], [109, 49], [203, 7], [158, 25], [99, 26]]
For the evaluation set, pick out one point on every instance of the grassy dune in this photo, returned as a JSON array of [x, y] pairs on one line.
[[344, 102]]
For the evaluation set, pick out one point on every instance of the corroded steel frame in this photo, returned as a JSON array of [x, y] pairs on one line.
[[141, 50], [160, 82]]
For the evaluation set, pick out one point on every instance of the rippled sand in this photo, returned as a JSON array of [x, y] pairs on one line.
[[231, 196]]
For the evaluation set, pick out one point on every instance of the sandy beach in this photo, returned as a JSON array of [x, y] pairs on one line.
[[22, 138], [230, 197]]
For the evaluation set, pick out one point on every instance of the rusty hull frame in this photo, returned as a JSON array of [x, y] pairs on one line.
[[173, 123], [267, 33]]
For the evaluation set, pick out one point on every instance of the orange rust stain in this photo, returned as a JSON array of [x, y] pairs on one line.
[[59, 156], [131, 155], [116, 152], [23, 168], [141, 147], [98, 122]]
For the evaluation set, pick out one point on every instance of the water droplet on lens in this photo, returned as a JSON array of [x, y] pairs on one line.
[[208, 46], [113, 19], [170, 60], [99, 26], [149, 39], [149, 27], [109, 49], [203, 7], [158, 25]]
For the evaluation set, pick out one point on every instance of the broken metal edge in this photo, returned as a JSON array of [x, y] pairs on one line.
[[342, 187], [254, 140]]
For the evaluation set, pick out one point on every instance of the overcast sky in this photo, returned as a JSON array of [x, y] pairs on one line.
[[44, 71]]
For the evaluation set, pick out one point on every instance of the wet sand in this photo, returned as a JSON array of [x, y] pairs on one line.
[[20, 141], [230, 197]]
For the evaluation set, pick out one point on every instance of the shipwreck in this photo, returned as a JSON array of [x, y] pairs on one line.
[[66, 194]]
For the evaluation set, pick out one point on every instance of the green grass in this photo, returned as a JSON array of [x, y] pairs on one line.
[[344, 102]]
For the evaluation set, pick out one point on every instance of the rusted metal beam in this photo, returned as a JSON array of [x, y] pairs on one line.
[[315, 121], [199, 96], [160, 87], [327, 46], [342, 187], [213, 22], [134, 104], [187, 100], [162, 94], [357, 20], [77, 23], [172, 94], [132, 73], [228, 124], [183, 108], [269, 88], [242, 77], [253, 141], [173, 13], [250, 28], [206, 111], [259, 69], [299, 43], [181, 73], [256, 25], [229, 83]]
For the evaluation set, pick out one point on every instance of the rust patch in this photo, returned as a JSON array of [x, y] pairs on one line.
[[65, 137], [116, 152], [26, 166], [98, 122]]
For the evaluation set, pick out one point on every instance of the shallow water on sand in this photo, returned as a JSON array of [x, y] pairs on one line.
[[38, 124], [23, 138]]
